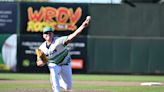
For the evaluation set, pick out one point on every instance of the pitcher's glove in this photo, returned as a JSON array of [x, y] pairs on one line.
[[41, 55]]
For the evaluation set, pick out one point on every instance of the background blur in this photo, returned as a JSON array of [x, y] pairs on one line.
[[124, 36]]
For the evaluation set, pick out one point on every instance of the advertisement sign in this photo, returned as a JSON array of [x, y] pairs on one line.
[[8, 52], [63, 18], [78, 53], [26, 53], [77, 63], [27, 57], [8, 18]]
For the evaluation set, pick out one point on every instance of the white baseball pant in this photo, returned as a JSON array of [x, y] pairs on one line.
[[60, 76]]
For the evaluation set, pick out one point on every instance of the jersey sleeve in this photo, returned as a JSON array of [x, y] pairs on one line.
[[62, 39], [42, 46]]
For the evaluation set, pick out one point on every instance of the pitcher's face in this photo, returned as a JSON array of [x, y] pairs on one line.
[[48, 36]]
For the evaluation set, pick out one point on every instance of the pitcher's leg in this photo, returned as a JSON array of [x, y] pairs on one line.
[[66, 77], [54, 78]]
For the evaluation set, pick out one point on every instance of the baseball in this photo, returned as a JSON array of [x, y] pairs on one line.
[[88, 17]]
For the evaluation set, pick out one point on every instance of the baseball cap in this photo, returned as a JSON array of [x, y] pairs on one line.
[[47, 29]]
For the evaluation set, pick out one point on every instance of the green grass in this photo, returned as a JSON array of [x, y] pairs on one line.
[[13, 86], [83, 77], [21, 76], [137, 89], [119, 78], [123, 88]]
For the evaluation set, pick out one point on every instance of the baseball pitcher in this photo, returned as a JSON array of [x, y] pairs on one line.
[[54, 53]]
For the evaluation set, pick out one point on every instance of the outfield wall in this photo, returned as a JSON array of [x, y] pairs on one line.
[[124, 39], [119, 39]]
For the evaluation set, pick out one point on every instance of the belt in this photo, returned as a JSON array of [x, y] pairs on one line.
[[63, 64]]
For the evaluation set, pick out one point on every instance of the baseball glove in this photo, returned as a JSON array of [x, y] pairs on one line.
[[41, 55]]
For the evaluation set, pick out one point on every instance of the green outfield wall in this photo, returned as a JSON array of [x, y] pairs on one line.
[[124, 39]]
